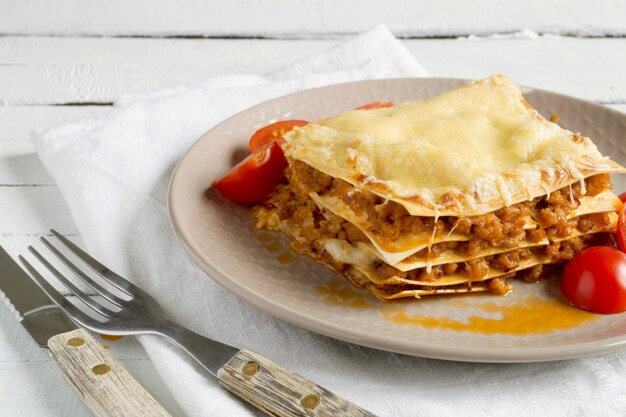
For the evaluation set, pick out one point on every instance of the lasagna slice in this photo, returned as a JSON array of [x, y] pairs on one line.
[[451, 194]]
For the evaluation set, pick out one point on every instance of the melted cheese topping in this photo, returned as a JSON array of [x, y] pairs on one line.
[[467, 151]]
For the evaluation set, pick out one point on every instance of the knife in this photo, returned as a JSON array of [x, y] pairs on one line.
[[102, 382]]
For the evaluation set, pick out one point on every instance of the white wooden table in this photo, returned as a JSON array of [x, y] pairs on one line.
[[63, 61]]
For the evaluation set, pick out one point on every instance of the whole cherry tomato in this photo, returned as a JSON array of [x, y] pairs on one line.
[[253, 179], [595, 280], [273, 132]]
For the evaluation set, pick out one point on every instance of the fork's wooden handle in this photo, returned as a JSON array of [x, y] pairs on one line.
[[103, 384], [280, 392]]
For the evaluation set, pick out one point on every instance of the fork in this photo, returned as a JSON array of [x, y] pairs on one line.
[[252, 377]]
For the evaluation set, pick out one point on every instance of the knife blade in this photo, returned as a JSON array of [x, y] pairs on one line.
[[106, 388], [31, 306]]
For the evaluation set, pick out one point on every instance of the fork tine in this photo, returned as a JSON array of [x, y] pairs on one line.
[[108, 275], [68, 308], [105, 312], [80, 274]]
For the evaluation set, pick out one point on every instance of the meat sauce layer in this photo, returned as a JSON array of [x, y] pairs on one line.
[[387, 220]]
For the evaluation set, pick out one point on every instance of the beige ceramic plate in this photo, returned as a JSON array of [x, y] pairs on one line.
[[531, 324]]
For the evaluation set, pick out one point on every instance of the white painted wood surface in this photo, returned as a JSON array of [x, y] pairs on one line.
[[63, 61], [309, 18], [79, 70]]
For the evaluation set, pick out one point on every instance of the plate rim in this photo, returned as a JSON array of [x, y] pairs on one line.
[[344, 333]]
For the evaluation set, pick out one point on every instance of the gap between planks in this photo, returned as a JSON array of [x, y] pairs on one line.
[[299, 36]]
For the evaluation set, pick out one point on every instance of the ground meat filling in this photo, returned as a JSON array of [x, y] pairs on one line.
[[315, 225], [388, 220], [535, 273], [475, 270]]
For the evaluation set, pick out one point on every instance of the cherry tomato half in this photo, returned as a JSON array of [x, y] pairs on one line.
[[273, 132], [595, 280], [375, 105], [621, 228], [253, 179]]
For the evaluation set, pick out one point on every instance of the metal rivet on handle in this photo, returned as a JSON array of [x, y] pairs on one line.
[[250, 368], [101, 369], [75, 342], [310, 401]]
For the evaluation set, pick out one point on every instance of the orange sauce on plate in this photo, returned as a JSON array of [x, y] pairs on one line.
[[276, 246], [341, 293], [285, 258], [522, 316], [527, 315]]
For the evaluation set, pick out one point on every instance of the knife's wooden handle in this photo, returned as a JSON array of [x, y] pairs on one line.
[[280, 392], [103, 384]]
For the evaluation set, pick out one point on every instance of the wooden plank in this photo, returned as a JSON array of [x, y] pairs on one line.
[[18, 122], [580, 67], [33, 210], [303, 18], [28, 388], [220, 54], [38, 388], [126, 66], [577, 67], [19, 165]]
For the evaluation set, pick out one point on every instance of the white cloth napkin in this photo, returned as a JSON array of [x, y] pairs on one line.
[[114, 169]]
